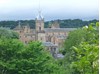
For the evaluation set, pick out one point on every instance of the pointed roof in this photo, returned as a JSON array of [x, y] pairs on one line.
[[19, 26], [39, 17]]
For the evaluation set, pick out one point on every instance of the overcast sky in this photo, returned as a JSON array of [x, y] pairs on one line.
[[51, 9]]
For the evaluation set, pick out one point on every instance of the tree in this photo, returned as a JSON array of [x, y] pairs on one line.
[[66, 23], [74, 39], [10, 50], [37, 60], [17, 58], [82, 51], [4, 32]]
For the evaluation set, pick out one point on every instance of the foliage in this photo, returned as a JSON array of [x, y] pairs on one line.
[[13, 24], [74, 39], [10, 50], [67, 23], [82, 51], [4, 32], [81, 54], [17, 58]]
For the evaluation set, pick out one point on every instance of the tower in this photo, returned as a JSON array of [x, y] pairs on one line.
[[26, 28], [39, 27], [39, 23]]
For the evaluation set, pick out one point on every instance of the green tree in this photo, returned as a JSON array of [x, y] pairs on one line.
[[10, 50], [7, 33], [66, 23], [16, 58], [74, 39], [82, 51], [37, 60]]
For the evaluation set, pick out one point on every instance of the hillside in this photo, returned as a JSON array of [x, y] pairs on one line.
[[68, 23]]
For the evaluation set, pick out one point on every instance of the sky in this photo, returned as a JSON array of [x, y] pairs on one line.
[[50, 9]]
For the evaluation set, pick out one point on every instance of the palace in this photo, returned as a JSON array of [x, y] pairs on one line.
[[52, 37]]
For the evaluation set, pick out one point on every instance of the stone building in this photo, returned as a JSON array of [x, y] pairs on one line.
[[52, 37]]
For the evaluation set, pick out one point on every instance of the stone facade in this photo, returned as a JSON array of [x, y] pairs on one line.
[[53, 36]]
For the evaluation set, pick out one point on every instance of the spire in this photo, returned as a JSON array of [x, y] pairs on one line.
[[39, 17], [19, 26]]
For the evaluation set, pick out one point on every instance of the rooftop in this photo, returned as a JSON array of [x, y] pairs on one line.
[[48, 44], [59, 29]]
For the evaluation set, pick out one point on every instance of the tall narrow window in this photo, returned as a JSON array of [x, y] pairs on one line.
[[41, 39], [39, 28]]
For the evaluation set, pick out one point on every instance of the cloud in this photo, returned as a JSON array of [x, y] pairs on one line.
[[52, 8]]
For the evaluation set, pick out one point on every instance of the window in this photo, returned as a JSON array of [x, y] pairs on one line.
[[54, 49], [25, 41], [20, 31], [41, 38], [39, 28]]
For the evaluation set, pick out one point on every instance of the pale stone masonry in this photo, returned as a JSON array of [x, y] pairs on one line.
[[52, 37]]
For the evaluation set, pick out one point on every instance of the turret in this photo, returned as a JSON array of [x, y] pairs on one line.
[[55, 25]]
